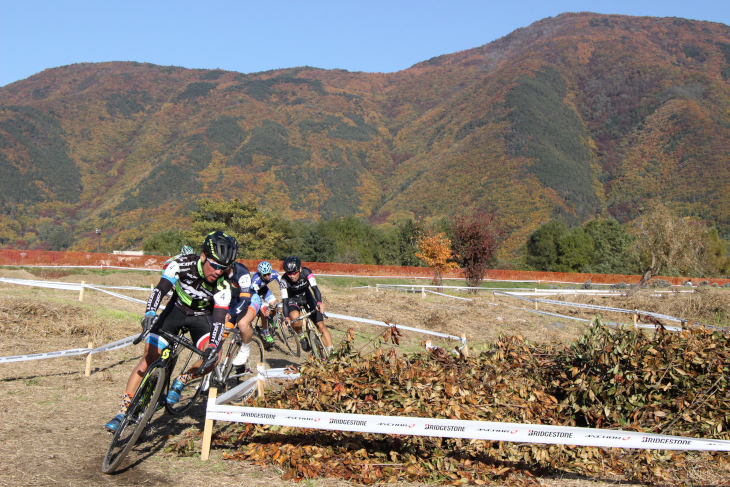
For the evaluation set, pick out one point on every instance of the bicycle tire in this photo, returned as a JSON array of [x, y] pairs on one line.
[[141, 408], [315, 341], [318, 345], [286, 334], [193, 388], [232, 378], [233, 349]]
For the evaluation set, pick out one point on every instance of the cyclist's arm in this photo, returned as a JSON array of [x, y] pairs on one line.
[[167, 282], [285, 300], [313, 285], [221, 300]]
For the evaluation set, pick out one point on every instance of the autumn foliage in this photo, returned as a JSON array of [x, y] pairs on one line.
[[608, 379], [435, 251], [475, 242]]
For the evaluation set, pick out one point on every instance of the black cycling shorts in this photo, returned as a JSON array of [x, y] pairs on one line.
[[174, 321], [304, 303]]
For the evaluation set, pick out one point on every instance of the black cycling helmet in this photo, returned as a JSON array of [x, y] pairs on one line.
[[221, 247], [292, 264]]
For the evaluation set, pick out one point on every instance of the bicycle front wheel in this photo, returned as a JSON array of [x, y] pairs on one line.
[[233, 375], [141, 409], [193, 388], [286, 334], [315, 341]]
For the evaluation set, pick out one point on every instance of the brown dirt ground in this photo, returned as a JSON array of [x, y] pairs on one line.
[[51, 415]]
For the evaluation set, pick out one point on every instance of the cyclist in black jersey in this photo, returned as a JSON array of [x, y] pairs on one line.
[[297, 285], [199, 303]]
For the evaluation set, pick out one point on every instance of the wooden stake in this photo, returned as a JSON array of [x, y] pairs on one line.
[[428, 345], [81, 292], [465, 350], [88, 361], [208, 430], [423, 292], [635, 316], [260, 383], [492, 296]]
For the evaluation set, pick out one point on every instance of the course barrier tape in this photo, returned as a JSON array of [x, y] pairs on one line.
[[243, 389], [609, 309], [607, 323], [453, 428], [449, 296], [127, 341], [124, 342], [400, 327]]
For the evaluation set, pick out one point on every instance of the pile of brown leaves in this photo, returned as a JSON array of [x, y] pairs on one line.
[[670, 383]]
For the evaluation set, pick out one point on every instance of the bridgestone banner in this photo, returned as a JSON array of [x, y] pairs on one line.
[[450, 428]]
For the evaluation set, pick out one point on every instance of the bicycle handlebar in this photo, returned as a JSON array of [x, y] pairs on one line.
[[301, 317], [140, 337]]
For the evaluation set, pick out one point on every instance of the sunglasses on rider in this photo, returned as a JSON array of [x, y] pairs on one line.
[[267, 275], [293, 273], [216, 265]]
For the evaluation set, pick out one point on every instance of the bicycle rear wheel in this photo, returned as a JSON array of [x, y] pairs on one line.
[[141, 409], [286, 334], [193, 387]]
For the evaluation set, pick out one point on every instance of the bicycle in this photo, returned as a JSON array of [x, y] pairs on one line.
[[151, 396], [283, 332], [314, 336], [224, 373]]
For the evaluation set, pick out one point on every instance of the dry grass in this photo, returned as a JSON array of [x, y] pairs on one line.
[[51, 416]]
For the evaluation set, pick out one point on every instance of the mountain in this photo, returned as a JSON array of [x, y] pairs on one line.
[[575, 116]]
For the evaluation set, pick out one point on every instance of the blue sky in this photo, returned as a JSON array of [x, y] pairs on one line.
[[250, 36]]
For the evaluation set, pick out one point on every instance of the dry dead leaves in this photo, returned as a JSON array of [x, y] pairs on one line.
[[671, 383]]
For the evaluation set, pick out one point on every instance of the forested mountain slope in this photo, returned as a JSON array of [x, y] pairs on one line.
[[577, 116]]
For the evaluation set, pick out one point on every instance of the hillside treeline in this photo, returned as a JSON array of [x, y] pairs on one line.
[[602, 246]]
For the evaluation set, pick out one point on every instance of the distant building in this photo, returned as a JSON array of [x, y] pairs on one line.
[[128, 252]]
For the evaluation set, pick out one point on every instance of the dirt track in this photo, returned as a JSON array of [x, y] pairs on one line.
[[52, 416]]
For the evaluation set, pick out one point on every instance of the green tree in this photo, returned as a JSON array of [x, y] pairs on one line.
[[258, 233], [543, 248], [316, 246], [408, 233], [575, 250], [611, 241], [169, 242]]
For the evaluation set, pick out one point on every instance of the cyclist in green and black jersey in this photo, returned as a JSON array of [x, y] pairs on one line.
[[199, 303]]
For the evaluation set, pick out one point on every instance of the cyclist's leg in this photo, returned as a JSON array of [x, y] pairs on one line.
[[318, 320], [152, 350], [266, 308], [246, 312], [199, 328], [296, 307]]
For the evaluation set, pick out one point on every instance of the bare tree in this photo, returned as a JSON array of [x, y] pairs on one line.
[[667, 243]]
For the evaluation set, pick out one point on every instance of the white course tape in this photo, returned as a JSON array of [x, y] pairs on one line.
[[117, 295], [41, 356], [452, 428], [243, 388], [400, 327], [68, 286], [608, 309], [124, 342], [448, 295]]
